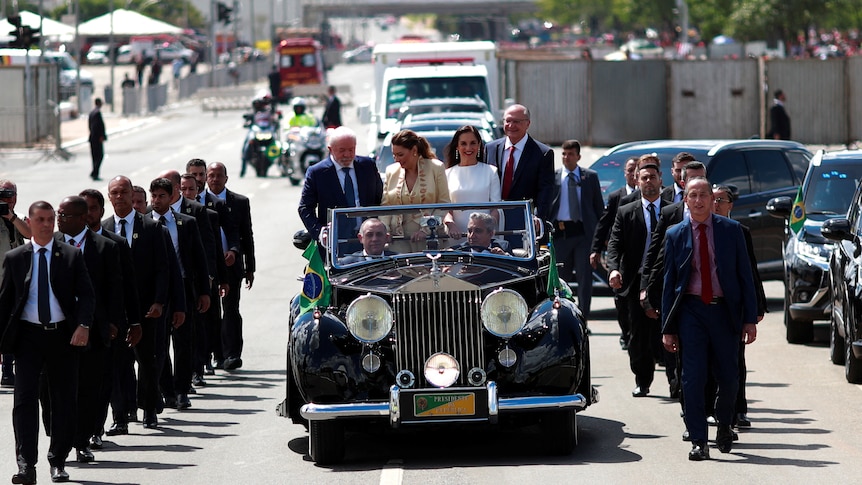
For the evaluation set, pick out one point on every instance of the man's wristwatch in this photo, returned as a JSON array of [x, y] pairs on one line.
[[84, 326]]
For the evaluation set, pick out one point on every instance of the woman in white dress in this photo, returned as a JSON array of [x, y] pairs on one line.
[[469, 180]]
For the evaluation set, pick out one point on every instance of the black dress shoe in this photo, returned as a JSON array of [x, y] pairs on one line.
[[198, 380], [742, 421], [117, 429], [699, 451], [686, 436], [208, 370], [232, 363], [96, 442], [170, 402], [640, 391], [724, 438], [84, 455], [192, 390], [624, 343], [26, 474], [150, 419], [218, 363], [183, 402], [133, 416], [674, 388], [8, 380], [58, 474]]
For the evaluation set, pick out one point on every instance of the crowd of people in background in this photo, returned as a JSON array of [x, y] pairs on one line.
[[139, 307]]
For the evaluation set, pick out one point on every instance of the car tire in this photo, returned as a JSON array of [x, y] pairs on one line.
[[798, 331], [325, 442], [560, 428], [836, 342]]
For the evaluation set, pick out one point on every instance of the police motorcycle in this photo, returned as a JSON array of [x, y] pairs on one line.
[[263, 146], [306, 143]]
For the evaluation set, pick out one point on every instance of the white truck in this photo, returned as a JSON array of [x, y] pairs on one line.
[[405, 71]]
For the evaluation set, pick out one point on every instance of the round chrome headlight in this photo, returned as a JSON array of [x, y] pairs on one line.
[[504, 313], [442, 370], [369, 318]]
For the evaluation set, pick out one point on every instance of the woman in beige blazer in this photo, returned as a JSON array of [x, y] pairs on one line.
[[417, 178]]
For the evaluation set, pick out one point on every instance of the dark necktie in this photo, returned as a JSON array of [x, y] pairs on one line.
[[349, 192], [574, 200], [201, 199], [123, 228], [163, 222], [44, 297], [509, 174], [653, 220], [705, 268], [72, 242]]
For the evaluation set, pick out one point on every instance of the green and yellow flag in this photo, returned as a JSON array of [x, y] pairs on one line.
[[315, 286], [555, 284], [797, 212]]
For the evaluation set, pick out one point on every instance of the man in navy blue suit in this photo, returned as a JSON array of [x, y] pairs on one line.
[[525, 166], [357, 178], [708, 306]]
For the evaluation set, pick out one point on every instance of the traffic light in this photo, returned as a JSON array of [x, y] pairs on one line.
[[24, 36], [224, 13]]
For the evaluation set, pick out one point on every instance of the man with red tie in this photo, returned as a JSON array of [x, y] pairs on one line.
[[525, 166], [708, 306]]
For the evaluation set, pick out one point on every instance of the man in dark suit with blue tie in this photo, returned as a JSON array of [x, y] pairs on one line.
[[576, 208], [358, 178], [708, 306], [525, 166]]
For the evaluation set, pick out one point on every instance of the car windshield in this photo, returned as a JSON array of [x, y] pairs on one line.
[[610, 167], [831, 186], [400, 90], [497, 230]]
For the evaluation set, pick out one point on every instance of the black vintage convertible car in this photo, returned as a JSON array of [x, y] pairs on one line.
[[435, 332]]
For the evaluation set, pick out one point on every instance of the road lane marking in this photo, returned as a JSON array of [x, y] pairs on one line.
[[392, 473], [265, 185]]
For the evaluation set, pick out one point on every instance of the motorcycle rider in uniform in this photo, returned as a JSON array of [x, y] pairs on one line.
[[263, 117], [300, 118]]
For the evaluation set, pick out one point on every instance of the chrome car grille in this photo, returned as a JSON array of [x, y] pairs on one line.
[[427, 323]]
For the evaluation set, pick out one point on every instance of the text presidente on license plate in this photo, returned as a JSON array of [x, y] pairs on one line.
[[453, 404]]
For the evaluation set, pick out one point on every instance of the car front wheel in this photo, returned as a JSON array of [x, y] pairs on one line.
[[798, 331], [836, 342], [326, 442], [561, 430]]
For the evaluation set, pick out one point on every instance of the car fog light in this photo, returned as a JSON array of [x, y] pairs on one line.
[[405, 379], [804, 296], [442, 370], [476, 376], [369, 318], [371, 363], [507, 357]]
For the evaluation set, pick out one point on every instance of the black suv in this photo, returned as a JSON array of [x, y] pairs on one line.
[[826, 193], [845, 268], [760, 169]]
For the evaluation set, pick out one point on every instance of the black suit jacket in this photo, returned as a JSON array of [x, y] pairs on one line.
[[332, 112], [627, 244], [226, 223], [199, 212], [221, 266], [592, 204], [191, 254], [606, 221], [534, 177], [102, 258], [131, 305], [669, 193], [239, 209], [150, 258], [97, 126], [651, 280], [70, 284], [322, 191], [780, 123]]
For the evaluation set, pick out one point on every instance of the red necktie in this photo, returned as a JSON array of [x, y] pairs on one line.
[[509, 173], [705, 269]]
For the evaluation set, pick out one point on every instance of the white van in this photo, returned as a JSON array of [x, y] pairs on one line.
[[68, 67]]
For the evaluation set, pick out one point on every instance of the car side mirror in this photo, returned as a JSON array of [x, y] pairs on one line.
[[837, 229], [301, 239], [780, 207]]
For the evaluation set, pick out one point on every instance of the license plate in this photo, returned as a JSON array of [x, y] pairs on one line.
[[444, 404]]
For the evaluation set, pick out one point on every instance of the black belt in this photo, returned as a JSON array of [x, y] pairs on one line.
[[716, 300], [563, 229], [44, 326]]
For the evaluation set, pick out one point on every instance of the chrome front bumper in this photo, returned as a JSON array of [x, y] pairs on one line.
[[496, 405]]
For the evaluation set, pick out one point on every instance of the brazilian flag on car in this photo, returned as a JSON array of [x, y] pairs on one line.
[[555, 284], [797, 212], [315, 284]]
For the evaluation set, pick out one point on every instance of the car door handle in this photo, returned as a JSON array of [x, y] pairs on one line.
[[754, 215]]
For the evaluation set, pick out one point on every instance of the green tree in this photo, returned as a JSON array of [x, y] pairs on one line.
[[171, 11]]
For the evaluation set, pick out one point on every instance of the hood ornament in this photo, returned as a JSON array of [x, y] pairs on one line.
[[435, 269]]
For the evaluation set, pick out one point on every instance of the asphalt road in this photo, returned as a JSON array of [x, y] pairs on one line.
[[805, 419]]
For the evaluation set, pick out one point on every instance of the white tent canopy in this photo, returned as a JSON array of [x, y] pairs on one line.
[[126, 22], [50, 28]]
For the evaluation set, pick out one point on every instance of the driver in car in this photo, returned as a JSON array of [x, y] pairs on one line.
[[374, 238], [480, 235]]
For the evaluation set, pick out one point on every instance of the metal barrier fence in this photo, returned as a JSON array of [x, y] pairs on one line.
[[29, 114]]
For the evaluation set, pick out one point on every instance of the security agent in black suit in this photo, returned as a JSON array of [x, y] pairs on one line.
[[185, 239], [48, 301], [332, 112], [528, 172], [674, 192], [128, 332], [603, 232], [152, 272], [244, 267], [102, 258], [191, 207], [97, 138], [779, 120], [576, 210], [627, 248]]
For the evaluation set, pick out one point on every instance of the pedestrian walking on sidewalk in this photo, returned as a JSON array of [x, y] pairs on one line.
[[97, 138]]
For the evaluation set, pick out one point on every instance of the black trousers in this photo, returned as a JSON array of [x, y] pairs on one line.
[[48, 350], [177, 378], [212, 329], [644, 341], [94, 374], [122, 390], [150, 354], [231, 329], [97, 151]]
